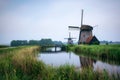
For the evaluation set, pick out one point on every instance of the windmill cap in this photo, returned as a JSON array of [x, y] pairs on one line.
[[86, 27]]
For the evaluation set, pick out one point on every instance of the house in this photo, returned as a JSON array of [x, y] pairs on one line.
[[92, 40]]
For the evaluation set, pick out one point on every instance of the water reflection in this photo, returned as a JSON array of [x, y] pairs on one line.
[[111, 69], [86, 62], [99, 65], [61, 58], [70, 55], [51, 49]]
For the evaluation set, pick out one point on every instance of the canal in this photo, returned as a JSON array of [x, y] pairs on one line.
[[61, 58]]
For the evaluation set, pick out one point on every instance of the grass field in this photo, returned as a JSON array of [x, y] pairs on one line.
[[20, 63]]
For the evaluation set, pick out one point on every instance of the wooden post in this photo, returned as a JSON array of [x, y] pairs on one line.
[[55, 48]]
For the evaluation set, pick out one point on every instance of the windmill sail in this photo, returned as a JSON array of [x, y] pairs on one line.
[[70, 41], [81, 26], [78, 28], [74, 27], [82, 18]]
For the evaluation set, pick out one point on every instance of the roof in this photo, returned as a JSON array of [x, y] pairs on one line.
[[86, 27], [89, 39]]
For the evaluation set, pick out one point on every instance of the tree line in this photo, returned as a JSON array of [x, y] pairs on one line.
[[42, 42]]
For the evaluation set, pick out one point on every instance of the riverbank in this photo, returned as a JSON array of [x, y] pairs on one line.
[[20, 63], [3, 46], [111, 52]]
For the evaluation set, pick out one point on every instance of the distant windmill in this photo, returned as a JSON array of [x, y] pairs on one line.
[[70, 40], [85, 34]]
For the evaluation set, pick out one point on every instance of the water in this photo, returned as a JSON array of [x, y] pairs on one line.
[[53, 49], [61, 58]]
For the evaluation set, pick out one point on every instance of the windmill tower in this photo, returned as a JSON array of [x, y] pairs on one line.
[[70, 39], [85, 34]]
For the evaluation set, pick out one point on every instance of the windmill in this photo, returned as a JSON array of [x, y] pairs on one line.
[[85, 33], [70, 40]]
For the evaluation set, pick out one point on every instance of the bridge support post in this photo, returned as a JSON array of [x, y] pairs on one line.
[[55, 48]]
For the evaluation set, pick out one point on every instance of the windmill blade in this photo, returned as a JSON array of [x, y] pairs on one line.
[[69, 35], [65, 38], [73, 38], [95, 26], [81, 26], [75, 27]]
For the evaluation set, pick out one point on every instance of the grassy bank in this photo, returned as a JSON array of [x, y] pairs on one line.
[[3, 46], [111, 52], [20, 63]]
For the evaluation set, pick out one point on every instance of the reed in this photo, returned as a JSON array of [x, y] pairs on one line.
[[99, 51]]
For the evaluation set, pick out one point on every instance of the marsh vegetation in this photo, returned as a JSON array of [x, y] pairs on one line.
[[111, 52]]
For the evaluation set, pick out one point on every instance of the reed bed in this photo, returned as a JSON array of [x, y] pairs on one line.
[[99, 51]]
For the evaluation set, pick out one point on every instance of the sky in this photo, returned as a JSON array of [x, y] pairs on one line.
[[37, 19]]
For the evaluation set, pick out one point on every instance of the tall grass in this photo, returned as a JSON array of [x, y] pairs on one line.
[[99, 51], [20, 63]]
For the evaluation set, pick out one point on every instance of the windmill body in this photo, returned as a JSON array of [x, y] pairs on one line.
[[70, 40], [85, 33]]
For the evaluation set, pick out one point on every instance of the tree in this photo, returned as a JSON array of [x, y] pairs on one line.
[[19, 42], [46, 42], [33, 42]]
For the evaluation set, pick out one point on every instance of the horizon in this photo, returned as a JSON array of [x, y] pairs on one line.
[[34, 20], [65, 42]]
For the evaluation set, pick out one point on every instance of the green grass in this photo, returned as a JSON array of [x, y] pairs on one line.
[[20, 63], [3, 46], [111, 52]]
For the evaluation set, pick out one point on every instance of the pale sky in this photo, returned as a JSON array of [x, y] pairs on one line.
[[37, 19]]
